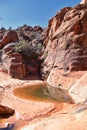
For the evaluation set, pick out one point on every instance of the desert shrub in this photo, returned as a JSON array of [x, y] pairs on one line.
[[39, 48], [32, 35], [27, 49]]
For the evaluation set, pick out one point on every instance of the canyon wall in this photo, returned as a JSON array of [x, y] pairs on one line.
[[66, 48]]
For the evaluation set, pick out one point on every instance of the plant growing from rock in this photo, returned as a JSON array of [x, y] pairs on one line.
[[29, 50]]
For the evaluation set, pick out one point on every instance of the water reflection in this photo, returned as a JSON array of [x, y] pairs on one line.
[[34, 92]]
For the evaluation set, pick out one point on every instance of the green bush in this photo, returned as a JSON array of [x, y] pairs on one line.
[[27, 49], [32, 35]]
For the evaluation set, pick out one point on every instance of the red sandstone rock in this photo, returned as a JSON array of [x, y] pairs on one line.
[[78, 91], [66, 48], [9, 36], [16, 66], [13, 62], [83, 2], [38, 28], [5, 111]]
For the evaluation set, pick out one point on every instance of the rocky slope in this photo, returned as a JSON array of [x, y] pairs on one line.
[[21, 49]]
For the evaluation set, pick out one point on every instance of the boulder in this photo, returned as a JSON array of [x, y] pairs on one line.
[[9, 36], [38, 28]]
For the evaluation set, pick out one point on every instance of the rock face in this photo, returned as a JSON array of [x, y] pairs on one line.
[[9, 36], [13, 62], [16, 67], [5, 111], [66, 48], [83, 2], [79, 89]]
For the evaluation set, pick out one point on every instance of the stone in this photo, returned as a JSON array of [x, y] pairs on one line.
[[9, 36], [16, 68], [13, 62], [66, 48], [78, 91], [76, 119], [38, 28], [6, 111], [83, 2]]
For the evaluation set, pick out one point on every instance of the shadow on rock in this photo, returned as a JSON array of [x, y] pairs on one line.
[[9, 127]]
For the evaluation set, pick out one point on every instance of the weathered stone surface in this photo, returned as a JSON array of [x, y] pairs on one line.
[[67, 48], [38, 28], [78, 91], [83, 2], [7, 50], [54, 24], [13, 62], [16, 66], [9, 36], [6, 111], [76, 119]]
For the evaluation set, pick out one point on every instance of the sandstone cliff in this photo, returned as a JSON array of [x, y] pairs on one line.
[[66, 47]]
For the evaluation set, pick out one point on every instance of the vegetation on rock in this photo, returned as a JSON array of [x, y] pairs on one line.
[[29, 50]]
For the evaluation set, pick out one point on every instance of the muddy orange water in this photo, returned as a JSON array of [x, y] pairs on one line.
[[2, 120], [34, 92]]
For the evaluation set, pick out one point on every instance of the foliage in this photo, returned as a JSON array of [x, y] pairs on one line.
[[29, 50], [32, 35]]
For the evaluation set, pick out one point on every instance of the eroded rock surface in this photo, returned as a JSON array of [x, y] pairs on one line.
[[78, 91], [5, 111], [83, 2], [66, 49], [13, 62], [69, 118], [9, 36]]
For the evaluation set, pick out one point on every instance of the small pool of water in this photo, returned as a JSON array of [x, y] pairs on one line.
[[2, 120], [34, 92]]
